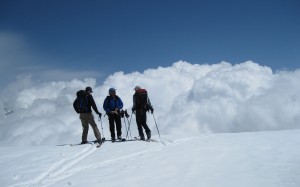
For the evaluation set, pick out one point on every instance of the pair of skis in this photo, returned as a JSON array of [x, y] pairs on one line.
[[135, 139], [95, 142], [89, 142]]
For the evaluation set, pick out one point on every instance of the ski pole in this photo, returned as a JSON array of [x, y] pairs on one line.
[[127, 116], [129, 122], [99, 119], [156, 124], [129, 127], [125, 127]]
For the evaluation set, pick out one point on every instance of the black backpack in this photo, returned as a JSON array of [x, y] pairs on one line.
[[82, 101], [141, 99]]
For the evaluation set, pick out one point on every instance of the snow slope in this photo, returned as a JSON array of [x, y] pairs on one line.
[[256, 159]]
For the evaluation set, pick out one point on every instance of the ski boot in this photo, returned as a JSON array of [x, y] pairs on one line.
[[84, 142], [148, 135]]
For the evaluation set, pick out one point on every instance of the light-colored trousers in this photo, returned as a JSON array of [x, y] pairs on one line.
[[86, 119]]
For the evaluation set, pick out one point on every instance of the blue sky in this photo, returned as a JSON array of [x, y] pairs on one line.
[[64, 39]]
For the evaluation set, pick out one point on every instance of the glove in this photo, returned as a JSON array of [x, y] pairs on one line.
[[151, 109]]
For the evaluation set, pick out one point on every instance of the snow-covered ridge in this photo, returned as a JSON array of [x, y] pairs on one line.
[[220, 160]]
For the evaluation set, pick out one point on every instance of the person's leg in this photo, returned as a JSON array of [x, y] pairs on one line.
[[144, 124], [119, 126], [85, 127], [92, 122], [112, 126], [138, 117]]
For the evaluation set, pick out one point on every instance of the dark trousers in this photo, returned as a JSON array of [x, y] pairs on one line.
[[141, 121], [114, 118]]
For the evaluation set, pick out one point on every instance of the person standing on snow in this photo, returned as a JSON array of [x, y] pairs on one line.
[[112, 105], [82, 105], [142, 104]]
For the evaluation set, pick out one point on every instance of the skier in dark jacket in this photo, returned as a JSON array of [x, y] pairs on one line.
[[86, 116], [140, 107], [112, 105]]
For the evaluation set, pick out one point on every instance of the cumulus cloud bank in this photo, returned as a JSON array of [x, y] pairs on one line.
[[189, 99]]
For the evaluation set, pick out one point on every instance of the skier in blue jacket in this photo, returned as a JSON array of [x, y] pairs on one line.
[[112, 105]]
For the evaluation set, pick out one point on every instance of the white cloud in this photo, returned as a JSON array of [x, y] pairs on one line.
[[187, 98]]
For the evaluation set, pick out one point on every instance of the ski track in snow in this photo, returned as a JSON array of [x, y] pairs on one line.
[[57, 169], [63, 168], [164, 143]]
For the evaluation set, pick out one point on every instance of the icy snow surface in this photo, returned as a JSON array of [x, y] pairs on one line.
[[220, 160]]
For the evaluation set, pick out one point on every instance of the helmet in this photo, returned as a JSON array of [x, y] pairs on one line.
[[112, 91]]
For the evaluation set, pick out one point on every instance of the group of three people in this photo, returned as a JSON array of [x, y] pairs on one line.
[[113, 106]]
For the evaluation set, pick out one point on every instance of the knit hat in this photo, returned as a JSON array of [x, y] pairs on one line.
[[137, 88]]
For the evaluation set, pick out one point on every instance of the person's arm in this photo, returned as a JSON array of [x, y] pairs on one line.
[[149, 105], [148, 102], [134, 104], [106, 106], [120, 104], [93, 104]]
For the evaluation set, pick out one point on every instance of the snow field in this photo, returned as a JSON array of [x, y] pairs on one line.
[[219, 160]]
